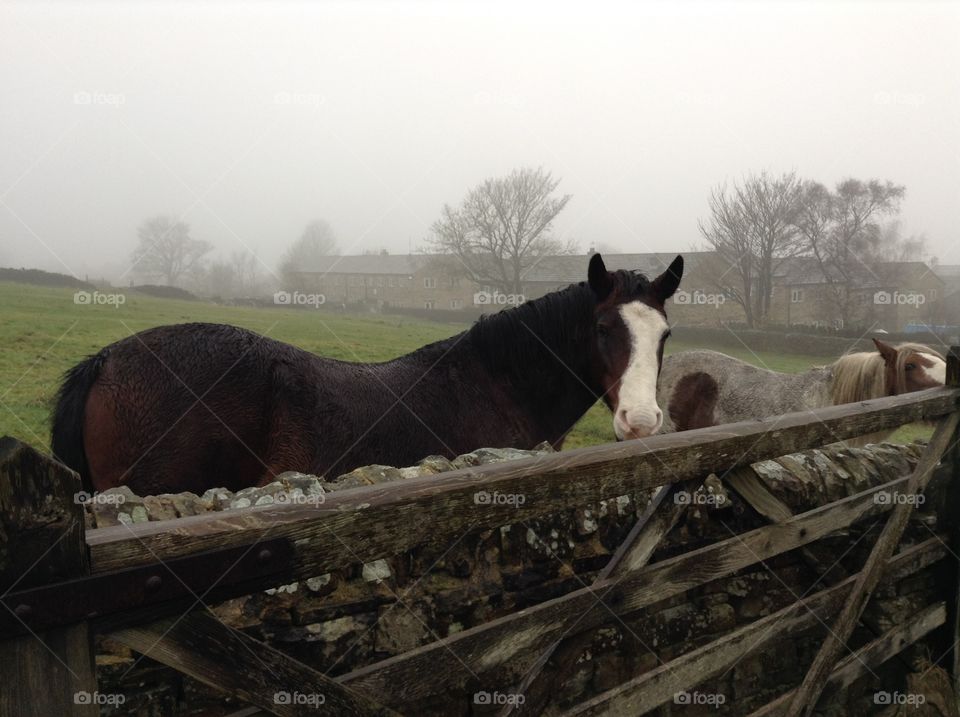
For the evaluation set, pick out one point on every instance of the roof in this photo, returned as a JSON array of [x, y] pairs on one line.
[[947, 271], [566, 269], [571, 268], [404, 264], [807, 270]]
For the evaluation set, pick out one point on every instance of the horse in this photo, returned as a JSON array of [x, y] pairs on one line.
[[705, 388], [194, 406]]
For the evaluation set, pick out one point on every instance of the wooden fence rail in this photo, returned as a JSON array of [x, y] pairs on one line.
[[143, 583]]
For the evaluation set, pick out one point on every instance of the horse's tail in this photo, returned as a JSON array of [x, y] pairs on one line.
[[68, 417]]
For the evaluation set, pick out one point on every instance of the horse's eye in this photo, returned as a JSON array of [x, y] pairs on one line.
[[910, 366], [603, 329]]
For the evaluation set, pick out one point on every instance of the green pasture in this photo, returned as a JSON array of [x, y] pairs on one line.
[[43, 332]]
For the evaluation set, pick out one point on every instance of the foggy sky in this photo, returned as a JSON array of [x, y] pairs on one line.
[[251, 120]]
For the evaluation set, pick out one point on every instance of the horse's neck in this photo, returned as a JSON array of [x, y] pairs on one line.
[[815, 386], [536, 352]]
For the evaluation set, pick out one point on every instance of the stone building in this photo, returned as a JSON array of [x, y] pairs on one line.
[[891, 296], [888, 295], [381, 281]]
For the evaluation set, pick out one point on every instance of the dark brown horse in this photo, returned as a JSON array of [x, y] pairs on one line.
[[194, 406]]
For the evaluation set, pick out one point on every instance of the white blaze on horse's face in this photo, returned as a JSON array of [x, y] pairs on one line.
[[938, 372], [637, 414]]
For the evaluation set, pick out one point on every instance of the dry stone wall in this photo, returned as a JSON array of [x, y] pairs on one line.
[[350, 618]]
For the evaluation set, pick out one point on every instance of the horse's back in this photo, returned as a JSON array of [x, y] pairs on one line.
[[175, 405], [703, 387]]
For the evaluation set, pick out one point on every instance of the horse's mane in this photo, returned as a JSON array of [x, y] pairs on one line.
[[544, 330], [860, 376], [857, 377]]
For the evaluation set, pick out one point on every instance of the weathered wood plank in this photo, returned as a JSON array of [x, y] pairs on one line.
[[659, 685], [363, 524], [42, 541], [871, 655], [805, 699], [201, 646], [401, 680], [753, 490], [749, 486], [660, 516]]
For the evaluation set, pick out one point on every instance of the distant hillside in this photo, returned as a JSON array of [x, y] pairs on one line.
[[43, 278], [164, 292]]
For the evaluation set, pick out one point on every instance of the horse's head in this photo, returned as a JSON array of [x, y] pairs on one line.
[[630, 330], [911, 367]]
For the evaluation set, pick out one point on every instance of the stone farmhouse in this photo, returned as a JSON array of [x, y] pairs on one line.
[[891, 296]]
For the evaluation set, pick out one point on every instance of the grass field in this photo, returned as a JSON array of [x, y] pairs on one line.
[[43, 333]]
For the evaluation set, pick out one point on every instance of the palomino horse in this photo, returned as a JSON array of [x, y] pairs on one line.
[[193, 406], [705, 388]]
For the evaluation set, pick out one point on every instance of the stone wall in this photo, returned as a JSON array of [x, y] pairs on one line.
[[350, 618]]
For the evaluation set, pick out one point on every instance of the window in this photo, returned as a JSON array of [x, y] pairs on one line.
[[392, 281], [369, 281], [429, 282], [429, 304], [933, 294], [796, 296], [456, 304], [454, 282], [379, 281]]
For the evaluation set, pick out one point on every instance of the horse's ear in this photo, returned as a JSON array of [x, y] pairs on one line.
[[666, 284], [599, 278], [888, 352]]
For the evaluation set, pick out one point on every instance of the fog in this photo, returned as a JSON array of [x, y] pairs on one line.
[[248, 121]]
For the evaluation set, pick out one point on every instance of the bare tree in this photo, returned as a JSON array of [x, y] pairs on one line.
[[167, 250], [502, 228], [751, 229], [246, 271], [842, 231], [221, 279], [316, 241]]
